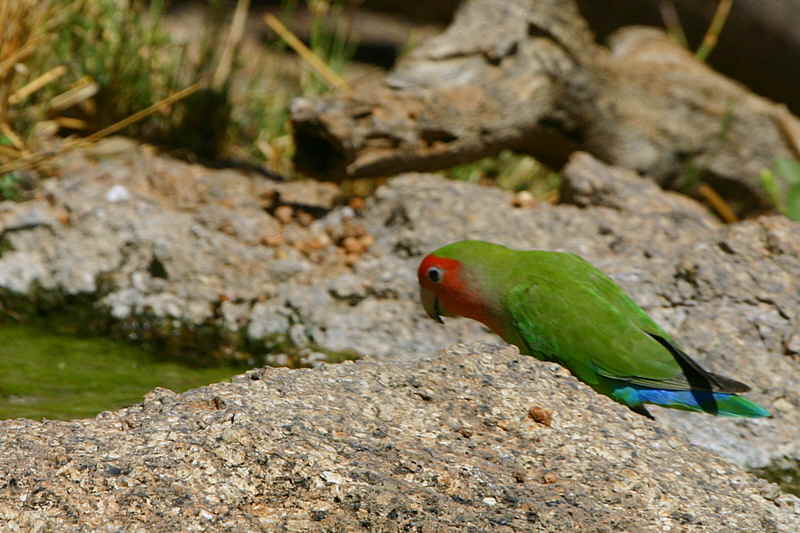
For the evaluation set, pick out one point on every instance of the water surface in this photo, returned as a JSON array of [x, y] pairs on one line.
[[61, 376]]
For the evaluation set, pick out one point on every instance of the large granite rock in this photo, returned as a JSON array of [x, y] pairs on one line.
[[730, 294], [478, 438], [155, 247]]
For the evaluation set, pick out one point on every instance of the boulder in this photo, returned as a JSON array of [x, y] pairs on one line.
[[477, 438]]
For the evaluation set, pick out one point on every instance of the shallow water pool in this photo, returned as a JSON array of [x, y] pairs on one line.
[[60, 376]]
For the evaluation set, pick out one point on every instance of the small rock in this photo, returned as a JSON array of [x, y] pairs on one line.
[[273, 239], [793, 343], [332, 477], [523, 199], [309, 192], [541, 416], [351, 259], [352, 245], [118, 193], [367, 241], [318, 242], [284, 213], [304, 218]]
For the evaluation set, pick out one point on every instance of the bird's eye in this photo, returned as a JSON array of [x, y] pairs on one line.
[[435, 274]]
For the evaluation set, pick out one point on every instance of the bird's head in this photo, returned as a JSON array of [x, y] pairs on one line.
[[453, 281], [440, 284]]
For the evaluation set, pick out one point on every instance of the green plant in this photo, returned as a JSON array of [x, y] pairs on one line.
[[669, 14], [261, 96], [88, 64], [330, 39], [783, 186], [118, 46], [512, 172], [10, 182], [692, 174], [260, 121], [11, 186], [116, 58], [105, 60]]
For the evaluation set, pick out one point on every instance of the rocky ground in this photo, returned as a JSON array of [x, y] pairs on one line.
[[219, 262], [478, 438]]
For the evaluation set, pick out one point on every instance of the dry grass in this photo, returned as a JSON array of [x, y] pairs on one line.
[[86, 68], [24, 29], [92, 68], [714, 30], [83, 65]]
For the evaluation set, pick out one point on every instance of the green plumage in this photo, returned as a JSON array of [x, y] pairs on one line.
[[558, 307]]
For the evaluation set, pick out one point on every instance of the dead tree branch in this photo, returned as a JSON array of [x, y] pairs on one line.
[[527, 75]]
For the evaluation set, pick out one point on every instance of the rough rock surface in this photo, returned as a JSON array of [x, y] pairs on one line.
[[159, 244], [168, 250], [476, 439]]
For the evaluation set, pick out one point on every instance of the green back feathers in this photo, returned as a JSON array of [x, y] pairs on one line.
[[559, 307]]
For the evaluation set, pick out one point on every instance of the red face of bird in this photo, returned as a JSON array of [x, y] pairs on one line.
[[459, 280], [444, 290]]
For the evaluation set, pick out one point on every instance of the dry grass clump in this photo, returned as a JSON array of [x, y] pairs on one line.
[[91, 67], [79, 66], [24, 29], [88, 68]]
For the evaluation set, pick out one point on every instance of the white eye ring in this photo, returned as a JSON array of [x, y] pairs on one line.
[[435, 274]]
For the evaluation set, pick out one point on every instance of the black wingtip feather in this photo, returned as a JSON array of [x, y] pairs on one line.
[[728, 384], [699, 378]]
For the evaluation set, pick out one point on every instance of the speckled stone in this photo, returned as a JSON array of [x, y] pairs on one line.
[[443, 443]]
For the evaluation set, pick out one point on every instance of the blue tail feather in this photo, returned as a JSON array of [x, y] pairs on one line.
[[717, 403]]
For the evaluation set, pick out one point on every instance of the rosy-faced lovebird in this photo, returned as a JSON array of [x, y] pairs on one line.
[[558, 307]]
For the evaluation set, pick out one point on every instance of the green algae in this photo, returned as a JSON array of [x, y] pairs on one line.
[[60, 376], [787, 476]]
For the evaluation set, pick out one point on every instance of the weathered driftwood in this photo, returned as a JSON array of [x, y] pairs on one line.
[[758, 45], [528, 75]]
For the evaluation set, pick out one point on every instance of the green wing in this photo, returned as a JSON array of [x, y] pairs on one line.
[[573, 314]]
